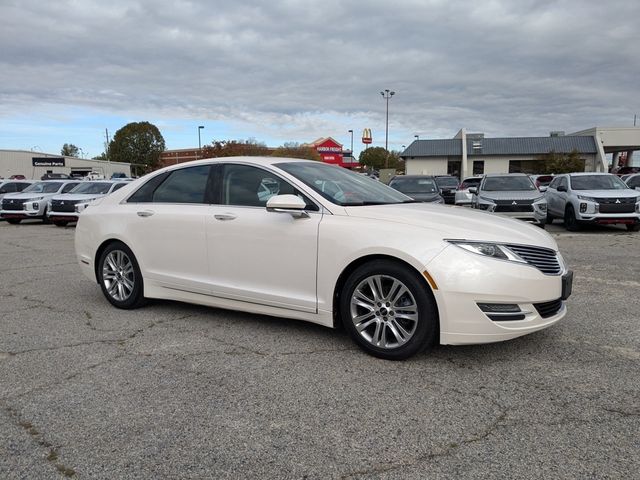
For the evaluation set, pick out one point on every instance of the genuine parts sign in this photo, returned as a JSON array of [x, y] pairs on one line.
[[48, 161]]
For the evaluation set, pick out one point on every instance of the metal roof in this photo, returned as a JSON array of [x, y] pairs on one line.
[[501, 146]]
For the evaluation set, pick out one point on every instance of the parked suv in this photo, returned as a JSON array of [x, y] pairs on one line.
[[593, 198], [633, 181], [13, 186], [422, 188], [448, 186], [66, 208], [32, 201], [512, 195]]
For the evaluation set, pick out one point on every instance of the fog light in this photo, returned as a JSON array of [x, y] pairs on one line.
[[583, 207], [36, 206], [502, 312]]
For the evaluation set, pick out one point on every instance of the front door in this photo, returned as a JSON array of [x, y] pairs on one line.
[[259, 256]]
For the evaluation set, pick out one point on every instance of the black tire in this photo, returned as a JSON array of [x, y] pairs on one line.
[[570, 221], [45, 218], [542, 224], [633, 227], [550, 217], [135, 298], [424, 329], [14, 221], [60, 223]]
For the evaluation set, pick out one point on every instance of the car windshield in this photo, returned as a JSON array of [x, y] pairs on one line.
[[447, 182], [92, 187], [342, 186], [597, 182], [43, 187], [415, 185], [508, 184]]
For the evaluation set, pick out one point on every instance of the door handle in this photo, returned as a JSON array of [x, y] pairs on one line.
[[224, 216], [145, 213]]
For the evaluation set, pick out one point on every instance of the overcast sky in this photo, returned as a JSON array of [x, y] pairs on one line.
[[280, 71]]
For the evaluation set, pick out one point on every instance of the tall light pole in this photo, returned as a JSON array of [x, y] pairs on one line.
[[351, 132], [387, 95], [200, 127]]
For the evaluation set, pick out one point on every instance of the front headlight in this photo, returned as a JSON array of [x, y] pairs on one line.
[[588, 199], [492, 250], [80, 207]]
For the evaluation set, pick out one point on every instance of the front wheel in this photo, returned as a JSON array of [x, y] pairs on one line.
[[119, 277], [633, 227], [388, 310], [549, 217], [570, 221], [60, 223], [14, 221]]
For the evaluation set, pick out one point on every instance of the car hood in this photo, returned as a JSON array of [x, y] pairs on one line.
[[78, 196], [607, 193], [512, 195], [457, 223], [27, 196], [425, 197]]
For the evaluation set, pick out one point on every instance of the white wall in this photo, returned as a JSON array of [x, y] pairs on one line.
[[19, 162], [423, 166]]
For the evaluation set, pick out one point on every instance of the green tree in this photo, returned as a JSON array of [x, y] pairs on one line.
[[378, 157], [139, 143], [69, 150], [556, 163], [102, 156], [295, 150], [235, 148]]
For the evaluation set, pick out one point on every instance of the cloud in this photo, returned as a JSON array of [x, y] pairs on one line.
[[296, 70]]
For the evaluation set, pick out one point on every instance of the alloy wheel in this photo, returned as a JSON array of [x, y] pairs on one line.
[[384, 311], [118, 275]]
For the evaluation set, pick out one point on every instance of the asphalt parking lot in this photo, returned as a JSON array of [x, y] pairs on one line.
[[181, 391]]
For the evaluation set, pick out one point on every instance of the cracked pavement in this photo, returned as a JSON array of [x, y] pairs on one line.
[[181, 391]]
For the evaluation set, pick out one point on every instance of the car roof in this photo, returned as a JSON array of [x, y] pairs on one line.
[[397, 177], [506, 175], [582, 174]]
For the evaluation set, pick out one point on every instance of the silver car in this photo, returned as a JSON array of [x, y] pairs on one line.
[[13, 186], [603, 198], [512, 195], [463, 195], [32, 201], [66, 208]]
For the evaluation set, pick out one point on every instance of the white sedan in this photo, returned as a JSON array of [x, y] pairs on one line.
[[311, 241]]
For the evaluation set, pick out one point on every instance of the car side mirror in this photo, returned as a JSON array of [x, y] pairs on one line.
[[542, 188], [562, 188], [291, 204], [473, 190]]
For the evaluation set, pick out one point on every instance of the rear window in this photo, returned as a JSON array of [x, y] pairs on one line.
[[470, 182], [447, 182]]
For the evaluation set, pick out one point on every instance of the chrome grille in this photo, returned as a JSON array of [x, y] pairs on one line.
[[544, 259]]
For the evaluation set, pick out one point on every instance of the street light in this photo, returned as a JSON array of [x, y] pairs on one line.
[[200, 127], [351, 132], [387, 95]]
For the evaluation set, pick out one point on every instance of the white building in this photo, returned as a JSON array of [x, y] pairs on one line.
[[474, 154], [35, 164]]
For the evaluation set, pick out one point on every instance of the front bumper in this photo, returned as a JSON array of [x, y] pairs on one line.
[[28, 212], [465, 280], [63, 216]]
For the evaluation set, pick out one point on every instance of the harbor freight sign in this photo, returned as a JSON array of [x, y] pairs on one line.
[[48, 161]]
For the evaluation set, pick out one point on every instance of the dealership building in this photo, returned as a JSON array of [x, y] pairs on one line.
[[469, 154], [34, 165]]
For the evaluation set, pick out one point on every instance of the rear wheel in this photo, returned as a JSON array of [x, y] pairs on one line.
[[633, 227], [120, 278], [570, 221], [388, 311], [14, 221]]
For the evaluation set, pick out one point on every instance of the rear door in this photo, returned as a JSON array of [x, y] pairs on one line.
[[166, 219]]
